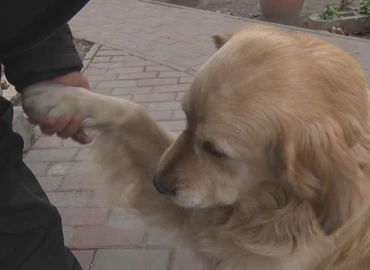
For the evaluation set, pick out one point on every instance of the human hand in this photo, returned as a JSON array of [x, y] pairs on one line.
[[67, 126]]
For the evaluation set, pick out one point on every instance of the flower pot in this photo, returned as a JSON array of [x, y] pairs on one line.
[[281, 11], [349, 21]]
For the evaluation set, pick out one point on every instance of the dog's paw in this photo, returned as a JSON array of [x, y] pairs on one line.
[[53, 100]]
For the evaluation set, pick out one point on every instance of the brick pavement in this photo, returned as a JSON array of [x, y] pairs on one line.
[[149, 56]]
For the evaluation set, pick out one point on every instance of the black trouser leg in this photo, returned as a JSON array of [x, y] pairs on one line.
[[31, 236]]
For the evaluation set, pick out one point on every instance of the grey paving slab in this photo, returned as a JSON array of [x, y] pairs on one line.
[[131, 259]]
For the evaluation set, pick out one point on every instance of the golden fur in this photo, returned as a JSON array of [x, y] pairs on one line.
[[272, 170]]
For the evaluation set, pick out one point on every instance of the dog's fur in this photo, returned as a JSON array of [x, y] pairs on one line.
[[272, 170]]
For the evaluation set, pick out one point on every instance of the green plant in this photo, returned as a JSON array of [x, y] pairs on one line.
[[344, 4], [364, 7], [329, 13]]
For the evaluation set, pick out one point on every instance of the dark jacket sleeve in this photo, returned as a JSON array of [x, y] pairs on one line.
[[53, 57], [35, 41], [25, 23]]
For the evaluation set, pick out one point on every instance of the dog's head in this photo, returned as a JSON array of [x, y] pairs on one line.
[[271, 107]]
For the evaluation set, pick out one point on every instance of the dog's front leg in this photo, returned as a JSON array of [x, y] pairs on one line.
[[128, 156], [128, 148], [99, 111]]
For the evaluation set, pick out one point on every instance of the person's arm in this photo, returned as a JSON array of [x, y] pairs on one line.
[[52, 58], [25, 24], [36, 45]]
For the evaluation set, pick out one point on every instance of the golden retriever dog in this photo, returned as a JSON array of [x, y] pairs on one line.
[[272, 169]]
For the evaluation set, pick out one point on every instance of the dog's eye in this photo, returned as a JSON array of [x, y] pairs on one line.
[[212, 149]]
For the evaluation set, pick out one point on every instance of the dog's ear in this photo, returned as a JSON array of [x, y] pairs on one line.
[[323, 169], [221, 39]]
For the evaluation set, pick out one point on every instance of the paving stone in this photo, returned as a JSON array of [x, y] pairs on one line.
[[184, 259], [68, 199], [126, 70], [101, 59], [126, 59], [137, 75], [152, 82], [49, 183], [75, 182], [73, 144], [180, 96], [60, 168], [38, 155], [48, 142], [154, 97], [85, 258], [83, 216], [139, 63], [186, 79], [94, 84], [110, 53], [172, 88], [176, 125], [171, 74], [69, 234], [125, 219], [107, 237], [158, 68], [38, 168], [101, 77], [65, 168], [161, 115], [131, 259], [95, 71], [106, 48], [131, 90], [164, 106], [161, 238], [113, 84], [110, 65], [178, 115], [84, 154], [55, 142], [143, 104], [100, 198]]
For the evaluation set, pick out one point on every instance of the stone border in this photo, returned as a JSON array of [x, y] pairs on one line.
[[349, 22], [90, 55]]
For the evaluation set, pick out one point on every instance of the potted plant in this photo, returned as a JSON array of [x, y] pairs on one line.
[[329, 13], [349, 21], [364, 7], [281, 11]]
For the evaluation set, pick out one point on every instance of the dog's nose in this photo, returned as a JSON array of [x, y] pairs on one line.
[[162, 187]]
